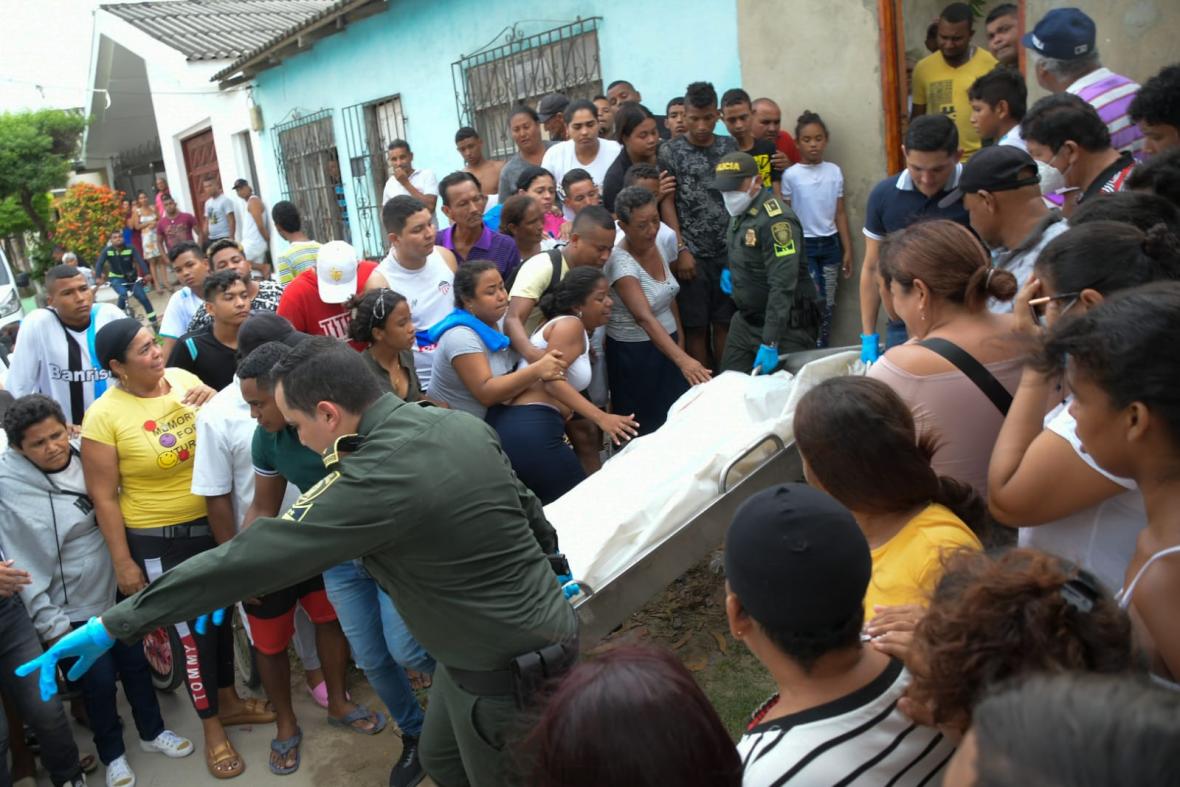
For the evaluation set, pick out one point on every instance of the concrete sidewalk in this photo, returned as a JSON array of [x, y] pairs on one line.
[[330, 755]]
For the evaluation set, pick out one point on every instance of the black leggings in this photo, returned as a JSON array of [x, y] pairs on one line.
[[208, 659], [533, 437]]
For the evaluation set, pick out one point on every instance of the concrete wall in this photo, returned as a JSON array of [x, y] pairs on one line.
[[1136, 38], [836, 74], [408, 51]]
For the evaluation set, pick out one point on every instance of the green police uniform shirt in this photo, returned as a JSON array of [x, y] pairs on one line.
[[430, 503], [768, 267]]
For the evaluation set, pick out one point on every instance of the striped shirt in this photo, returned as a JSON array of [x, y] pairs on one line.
[[861, 739], [1111, 94], [300, 256]]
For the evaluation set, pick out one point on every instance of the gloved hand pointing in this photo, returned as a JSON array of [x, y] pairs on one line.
[[87, 644], [870, 347], [203, 620], [766, 361]]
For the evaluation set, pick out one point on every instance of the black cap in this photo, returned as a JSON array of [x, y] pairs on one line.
[[732, 169], [996, 168], [113, 339], [797, 560], [240, 182], [552, 104]]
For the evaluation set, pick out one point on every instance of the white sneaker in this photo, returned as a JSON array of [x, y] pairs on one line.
[[119, 773], [169, 744]]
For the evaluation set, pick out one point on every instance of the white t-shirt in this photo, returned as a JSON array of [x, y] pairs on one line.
[[1101, 538], [1014, 138], [665, 240], [428, 291], [421, 179], [182, 305], [225, 432], [660, 297], [41, 362], [813, 190], [561, 158]]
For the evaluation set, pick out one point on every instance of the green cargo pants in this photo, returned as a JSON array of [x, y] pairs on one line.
[[465, 737], [741, 346]]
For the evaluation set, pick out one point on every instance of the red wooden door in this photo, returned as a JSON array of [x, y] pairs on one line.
[[200, 159]]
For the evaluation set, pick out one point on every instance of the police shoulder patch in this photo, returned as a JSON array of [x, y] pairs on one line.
[[773, 208], [781, 232], [306, 500]]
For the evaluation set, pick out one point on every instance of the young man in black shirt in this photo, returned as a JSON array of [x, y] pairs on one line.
[[738, 114], [210, 353]]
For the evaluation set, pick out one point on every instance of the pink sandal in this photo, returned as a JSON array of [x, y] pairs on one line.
[[320, 694]]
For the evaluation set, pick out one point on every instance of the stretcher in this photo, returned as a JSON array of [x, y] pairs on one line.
[[662, 504]]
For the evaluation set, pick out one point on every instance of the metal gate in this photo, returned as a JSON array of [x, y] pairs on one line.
[[368, 130], [309, 175], [491, 83]]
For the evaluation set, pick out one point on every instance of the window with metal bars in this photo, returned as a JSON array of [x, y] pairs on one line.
[[491, 83], [309, 175], [368, 130]]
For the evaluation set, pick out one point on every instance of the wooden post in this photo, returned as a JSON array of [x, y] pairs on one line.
[[892, 77]]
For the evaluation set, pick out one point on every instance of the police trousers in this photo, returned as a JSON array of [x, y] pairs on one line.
[[744, 339], [465, 740]]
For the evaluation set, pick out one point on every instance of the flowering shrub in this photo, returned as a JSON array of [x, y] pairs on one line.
[[87, 215]]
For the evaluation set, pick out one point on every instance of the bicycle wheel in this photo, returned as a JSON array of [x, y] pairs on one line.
[[165, 657], [244, 658]]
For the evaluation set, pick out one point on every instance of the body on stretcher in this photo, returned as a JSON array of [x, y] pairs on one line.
[[664, 502]]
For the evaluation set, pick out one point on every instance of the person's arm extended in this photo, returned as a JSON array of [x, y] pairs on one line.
[[268, 498], [219, 509], [685, 266], [631, 293], [1035, 476], [519, 309], [255, 209], [870, 296], [429, 200], [100, 466], [488, 389], [24, 363], [845, 235]]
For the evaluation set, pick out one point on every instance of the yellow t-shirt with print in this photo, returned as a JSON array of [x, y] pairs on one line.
[[908, 566], [533, 278], [155, 440], [943, 91]]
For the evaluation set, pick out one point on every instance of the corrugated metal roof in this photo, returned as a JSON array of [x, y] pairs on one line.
[[221, 29]]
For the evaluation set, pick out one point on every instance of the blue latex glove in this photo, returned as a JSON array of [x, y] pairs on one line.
[[569, 588], [766, 361], [870, 347], [87, 644], [203, 620], [726, 281]]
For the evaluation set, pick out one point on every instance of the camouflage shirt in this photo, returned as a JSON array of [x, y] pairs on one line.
[[267, 300], [703, 219]]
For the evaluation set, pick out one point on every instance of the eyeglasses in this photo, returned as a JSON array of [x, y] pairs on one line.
[[1037, 305]]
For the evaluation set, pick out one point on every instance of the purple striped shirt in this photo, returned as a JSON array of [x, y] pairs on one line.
[[1111, 94]]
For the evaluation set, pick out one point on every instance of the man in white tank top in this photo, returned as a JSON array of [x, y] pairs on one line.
[[255, 228], [417, 269]]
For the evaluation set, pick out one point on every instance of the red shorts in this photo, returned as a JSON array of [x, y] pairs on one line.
[[272, 621]]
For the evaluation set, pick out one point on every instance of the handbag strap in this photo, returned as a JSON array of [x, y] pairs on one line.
[[976, 372]]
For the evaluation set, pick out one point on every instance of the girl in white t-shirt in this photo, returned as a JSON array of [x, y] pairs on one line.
[[815, 190]]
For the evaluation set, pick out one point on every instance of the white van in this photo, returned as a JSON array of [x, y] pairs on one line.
[[10, 306]]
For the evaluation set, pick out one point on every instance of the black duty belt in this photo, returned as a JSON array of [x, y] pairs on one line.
[[526, 674], [198, 528]]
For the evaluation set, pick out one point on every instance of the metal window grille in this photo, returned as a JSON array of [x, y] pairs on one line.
[[368, 130], [489, 84], [309, 174]]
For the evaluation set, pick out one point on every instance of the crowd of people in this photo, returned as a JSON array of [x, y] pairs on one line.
[[976, 583]]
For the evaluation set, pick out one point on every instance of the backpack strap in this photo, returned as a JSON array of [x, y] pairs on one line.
[[555, 278], [976, 372]]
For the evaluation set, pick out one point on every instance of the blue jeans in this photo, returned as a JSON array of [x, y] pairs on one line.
[[359, 601], [18, 644], [128, 663], [136, 290], [824, 258]]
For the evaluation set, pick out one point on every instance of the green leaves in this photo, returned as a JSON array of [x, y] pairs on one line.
[[37, 150]]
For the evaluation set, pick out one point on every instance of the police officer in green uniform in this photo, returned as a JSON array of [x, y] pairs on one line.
[[777, 309], [428, 501]]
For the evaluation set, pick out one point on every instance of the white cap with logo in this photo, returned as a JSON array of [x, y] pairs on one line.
[[335, 269]]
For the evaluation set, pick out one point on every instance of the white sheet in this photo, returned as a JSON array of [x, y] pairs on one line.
[[658, 483]]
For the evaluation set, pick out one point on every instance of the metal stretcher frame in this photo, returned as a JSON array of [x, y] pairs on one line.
[[604, 608]]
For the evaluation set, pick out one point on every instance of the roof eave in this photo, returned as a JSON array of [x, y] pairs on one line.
[[298, 39]]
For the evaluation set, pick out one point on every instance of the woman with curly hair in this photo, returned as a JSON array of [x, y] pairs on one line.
[[998, 617]]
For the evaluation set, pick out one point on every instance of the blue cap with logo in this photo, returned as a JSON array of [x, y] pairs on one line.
[[1063, 34]]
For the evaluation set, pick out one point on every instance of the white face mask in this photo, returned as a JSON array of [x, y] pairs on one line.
[[1052, 179], [737, 201]]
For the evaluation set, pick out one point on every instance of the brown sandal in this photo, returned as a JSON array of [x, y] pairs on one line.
[[218, 760], [254, 711]]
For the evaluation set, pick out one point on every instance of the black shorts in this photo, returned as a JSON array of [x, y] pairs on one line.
[[701, 300]]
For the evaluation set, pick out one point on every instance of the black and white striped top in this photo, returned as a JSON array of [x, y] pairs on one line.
[[861, 739]]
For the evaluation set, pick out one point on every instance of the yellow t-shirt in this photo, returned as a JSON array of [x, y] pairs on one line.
[[532, 279], [155, 439], [908, 566], [943, 90]]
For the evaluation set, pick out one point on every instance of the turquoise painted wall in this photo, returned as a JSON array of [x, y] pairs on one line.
[[408, 50]]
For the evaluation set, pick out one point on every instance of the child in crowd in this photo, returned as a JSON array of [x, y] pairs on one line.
[[815, 190], [1116, 362], [998, 101]]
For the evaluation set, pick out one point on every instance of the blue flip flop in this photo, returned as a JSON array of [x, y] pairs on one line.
[[283, 748], [359, 712]]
